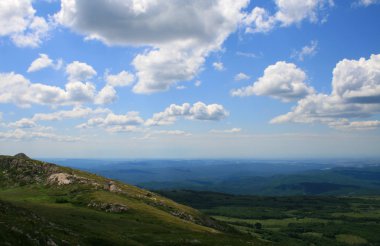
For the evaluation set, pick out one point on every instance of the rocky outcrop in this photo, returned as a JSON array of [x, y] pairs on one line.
[[61, 179], [22, 171], [108, 207]]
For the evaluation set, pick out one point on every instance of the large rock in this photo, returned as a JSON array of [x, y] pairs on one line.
[[60, 179]]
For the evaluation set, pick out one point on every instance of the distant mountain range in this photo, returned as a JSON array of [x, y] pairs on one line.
[[251, 177], [348, 181]]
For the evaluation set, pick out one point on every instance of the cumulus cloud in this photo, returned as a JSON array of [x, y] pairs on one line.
[[306, 51], [355, 95], [106, 95], [288, 13], [259, 20], [179, 34], [197, 83], [283, 81], [43, 61], [218, 66], [358, 80], [19, 22], [241, 76], [80, 71], [116, 122], [197, 111], [16, 89], [121, 79]]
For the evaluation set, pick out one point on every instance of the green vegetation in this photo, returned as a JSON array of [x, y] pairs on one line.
[[44, 204], [293, 220]]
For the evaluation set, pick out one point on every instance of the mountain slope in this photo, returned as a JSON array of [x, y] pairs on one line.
[[45, 204]]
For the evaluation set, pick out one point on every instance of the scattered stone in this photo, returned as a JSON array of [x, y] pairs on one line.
[[50, 242], [111, 186]]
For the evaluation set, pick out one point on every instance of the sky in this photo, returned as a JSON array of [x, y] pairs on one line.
[[190, 79]]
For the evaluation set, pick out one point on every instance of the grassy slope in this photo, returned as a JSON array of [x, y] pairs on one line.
[[38, 212], [296, 220]]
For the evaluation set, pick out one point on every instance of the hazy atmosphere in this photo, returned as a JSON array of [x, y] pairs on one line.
[[193, 79]]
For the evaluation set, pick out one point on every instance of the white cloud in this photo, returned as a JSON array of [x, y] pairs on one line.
[[233, 130], [23, 123], [121, 79], [283, 81], [43, 62], [40, 63], [37, 31], [367, 2], [16, 89], [172, 132], [198, 111], [115, 122], [106, 95], [321, 108], [358, 80], [355, 125], [119, 129], [76, 112], [355, 95], [181, 87], [246, 54], [179, 34], [197, 83], [80, 71], [259, 20], [307, 51], [288, 13], [241, 76], [80, 92], [218, 66], [23, 135], [18, 21]]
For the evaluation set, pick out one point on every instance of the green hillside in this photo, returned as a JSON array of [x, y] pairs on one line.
[[45, 204]]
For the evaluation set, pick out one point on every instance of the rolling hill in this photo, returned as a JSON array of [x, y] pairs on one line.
[[46, 204]]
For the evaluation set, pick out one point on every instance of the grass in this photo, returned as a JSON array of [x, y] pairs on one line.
[[293, 220], [31, 210], [351, 239]]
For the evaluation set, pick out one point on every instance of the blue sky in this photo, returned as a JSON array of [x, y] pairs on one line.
[[190, 79]]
